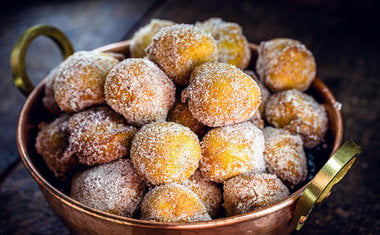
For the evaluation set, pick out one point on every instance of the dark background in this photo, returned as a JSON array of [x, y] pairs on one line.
[[341, 34]]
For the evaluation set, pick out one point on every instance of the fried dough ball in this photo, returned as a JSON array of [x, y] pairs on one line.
[[80, 80], [232, 45], [99, 135], [220, 94], [143, 37], [285, 64], [181, 114], [165, 152], [140, 91], [251, 191], [265, 93], [299, 113], [232, 150], [284, 155], [113, 187], [49, 100], [52, 143], [178, 49], [207, 191], [173, 203]]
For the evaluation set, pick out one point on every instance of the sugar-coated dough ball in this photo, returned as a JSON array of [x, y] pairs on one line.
[[80, 80], [207, 191], [140, 91], [99, 135], [232, 44], [165, 152], [284, 155], [299, 113], [49, 100], [173, 203], [232, 150], [178, 49], [143, 37], [221, 94], [52, 145], [247, 192], [285, 64], [181, 114], [113, 187]]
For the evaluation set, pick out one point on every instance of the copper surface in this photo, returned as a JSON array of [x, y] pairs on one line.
[[79, 218]]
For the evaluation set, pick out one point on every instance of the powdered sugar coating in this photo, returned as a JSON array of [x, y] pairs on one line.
[[173, 203], [165, 152], [299, 113], [99, 135], [143, 37], [284, 155], [140, 91], [221, 94], [52, 145], [247, 192], [232, 150], [80, 80], [232, 44], [49, 100], [113, 187], [207, 191], [181, 114], [178, 49], [285, 64]]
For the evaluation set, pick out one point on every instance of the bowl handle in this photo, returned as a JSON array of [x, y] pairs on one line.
[[320, 186], [18, 67]]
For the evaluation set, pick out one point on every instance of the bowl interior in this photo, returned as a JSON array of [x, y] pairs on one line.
[[33, 113]]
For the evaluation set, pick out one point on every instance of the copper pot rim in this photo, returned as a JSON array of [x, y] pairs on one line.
[[45, 185]]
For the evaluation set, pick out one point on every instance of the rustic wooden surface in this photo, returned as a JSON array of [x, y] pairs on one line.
[[341, 36]]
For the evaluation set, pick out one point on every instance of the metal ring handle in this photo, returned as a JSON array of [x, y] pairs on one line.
[[20, 77], [319, 188]]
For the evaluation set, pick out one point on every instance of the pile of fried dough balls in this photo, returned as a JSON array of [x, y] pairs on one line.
[[177, 133]]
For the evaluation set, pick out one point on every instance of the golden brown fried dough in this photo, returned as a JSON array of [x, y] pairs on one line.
[[247, 192], [178, 49], [140, 91], [113, 187], [173, 203], [232, 45], [99, 135], [285, 64], [299, 113], [165, 152], [52, 145], [80, 80], [212, 94], [143, 37], [232, 150], [284, 155]]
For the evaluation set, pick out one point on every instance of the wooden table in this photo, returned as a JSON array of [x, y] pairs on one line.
[[341, 36]]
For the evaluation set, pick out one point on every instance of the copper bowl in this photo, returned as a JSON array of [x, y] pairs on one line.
[[281, 217]]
